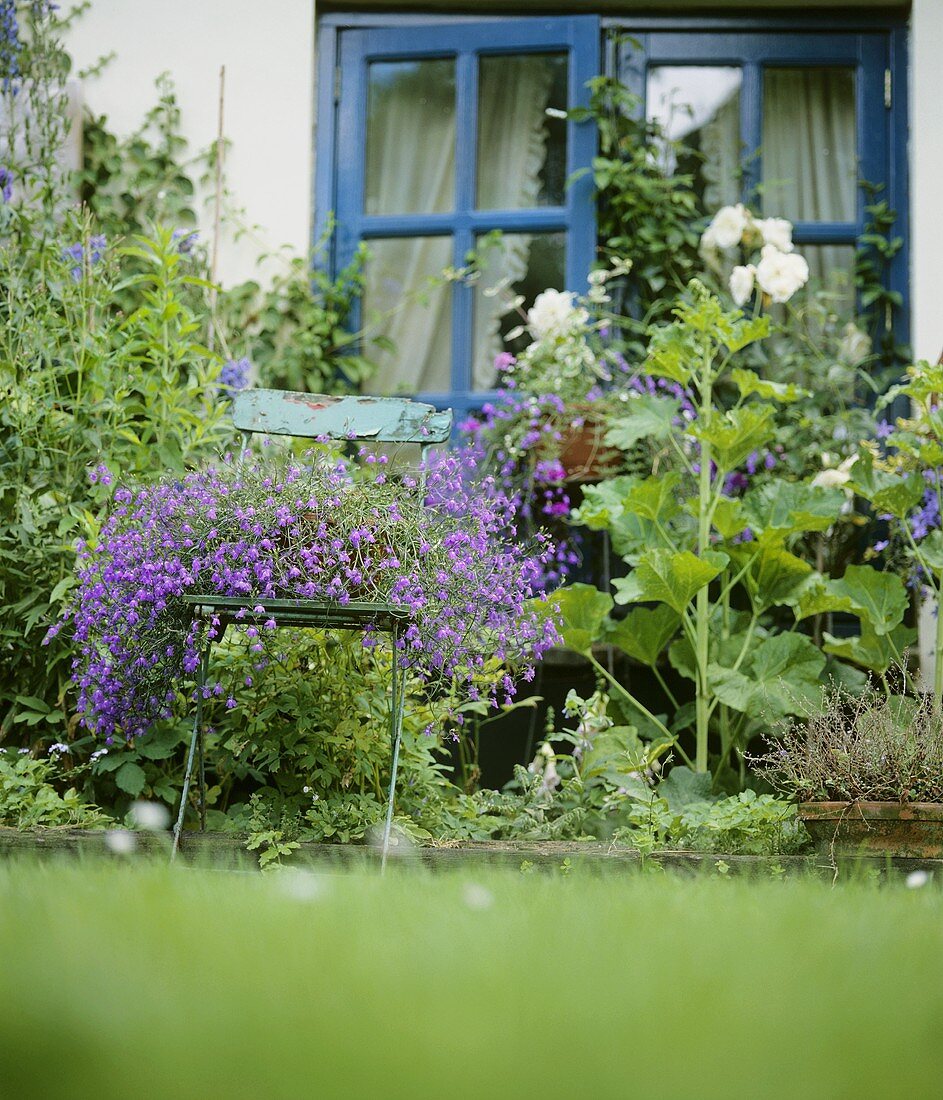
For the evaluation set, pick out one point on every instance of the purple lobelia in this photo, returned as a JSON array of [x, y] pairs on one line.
[[315, 529]]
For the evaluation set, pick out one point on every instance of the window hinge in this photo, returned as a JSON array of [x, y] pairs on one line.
[[887, 88], [337, 83]]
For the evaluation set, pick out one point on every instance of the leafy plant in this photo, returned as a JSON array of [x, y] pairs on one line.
[[874, 746], [719, 568], [29, 796]]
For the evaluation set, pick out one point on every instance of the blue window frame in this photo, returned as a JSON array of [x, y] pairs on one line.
[[345, 54]]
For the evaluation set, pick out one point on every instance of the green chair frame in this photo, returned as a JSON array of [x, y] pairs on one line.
[[354, 420]]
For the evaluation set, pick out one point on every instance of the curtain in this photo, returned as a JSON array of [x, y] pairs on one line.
[[411, 169], [810, 162], [512, 149]]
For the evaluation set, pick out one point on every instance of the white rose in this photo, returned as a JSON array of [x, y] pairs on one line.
[[728, 224], [855, 345], [775, 231], [554, 313], [741, 283], [781, 274]]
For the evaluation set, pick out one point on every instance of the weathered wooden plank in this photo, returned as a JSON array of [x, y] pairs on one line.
[[310, 415]]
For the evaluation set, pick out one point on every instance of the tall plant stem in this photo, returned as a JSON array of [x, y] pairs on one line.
[[702, 613], [938, 653]]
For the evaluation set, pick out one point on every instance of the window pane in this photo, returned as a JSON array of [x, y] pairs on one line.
[[832, 269], [700, 107], [520, 263], [521, 134], [406, 301], [410, 137], [810, 154]]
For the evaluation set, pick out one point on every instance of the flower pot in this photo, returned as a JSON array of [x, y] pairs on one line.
[[913, 829], [583, 454]]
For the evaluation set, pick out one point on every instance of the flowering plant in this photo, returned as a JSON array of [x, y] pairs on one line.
[[778, 273], [276, 528], [717, 556]]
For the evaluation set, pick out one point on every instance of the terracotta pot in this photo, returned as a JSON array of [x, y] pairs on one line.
[[912, 829], [584, 456]]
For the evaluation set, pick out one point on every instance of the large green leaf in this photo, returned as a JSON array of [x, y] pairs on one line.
[[583, 610], [647, 416], [130, 778], [728, 517], [671, 577], [879, 597], [875, 652], [644, 633], [774, 574], [736, 434], [895, 494], [602, 503], [656, 498], [781, 676], [749, 382], [788, 507], [746, 331]]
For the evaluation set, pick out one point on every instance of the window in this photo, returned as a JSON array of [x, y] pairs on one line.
[[792, 122], [434, 132], [447, 133]]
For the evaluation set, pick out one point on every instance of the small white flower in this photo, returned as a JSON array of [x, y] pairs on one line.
[[741, 283], [855, 345], [833, 478], [775, 231], [120, 841], [476, 896], [98, 754], [727, 226], [58, 748], [781, 274], [152, 816], [301, 885], [916, 879], [555, 314]]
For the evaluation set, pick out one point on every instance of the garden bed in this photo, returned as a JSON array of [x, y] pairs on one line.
[[227, 851]]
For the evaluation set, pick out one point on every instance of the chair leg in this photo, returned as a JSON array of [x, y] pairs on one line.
[[196, 738], [396, 733]]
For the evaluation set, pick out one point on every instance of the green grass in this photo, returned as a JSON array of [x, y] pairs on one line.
[[144, 981]]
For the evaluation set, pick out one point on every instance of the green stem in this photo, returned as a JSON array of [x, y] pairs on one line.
[[629, 697], [702, 613]]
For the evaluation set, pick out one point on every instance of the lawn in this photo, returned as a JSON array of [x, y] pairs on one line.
[[146, 981]]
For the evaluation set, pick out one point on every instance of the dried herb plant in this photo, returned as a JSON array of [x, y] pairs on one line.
[[870, 747]]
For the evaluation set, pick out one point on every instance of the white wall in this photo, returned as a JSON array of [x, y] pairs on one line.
[[926, 177], [267, 47]]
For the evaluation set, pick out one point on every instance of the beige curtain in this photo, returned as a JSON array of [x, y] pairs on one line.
[[411, 169]]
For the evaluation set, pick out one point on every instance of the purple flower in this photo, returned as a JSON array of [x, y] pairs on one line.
[[884, 430], [234, 376], [6, 183]]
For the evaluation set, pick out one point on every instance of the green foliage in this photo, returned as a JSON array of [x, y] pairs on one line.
[[296, 328], [643, 213], [128, 184], [29, 796], [82, 388], [728, 577], [747, 823]]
